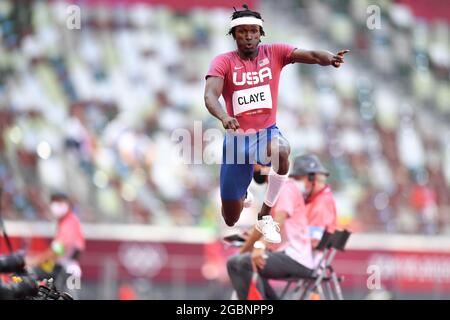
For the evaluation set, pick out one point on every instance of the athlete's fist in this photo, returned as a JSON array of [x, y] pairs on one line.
[[230, 123], [338, 58]]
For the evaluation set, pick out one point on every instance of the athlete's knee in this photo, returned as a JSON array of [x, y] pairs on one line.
[[280, 162], [231, 211], [284, 152], [280, 148], [230, 222], [285, 148], [230, 218]]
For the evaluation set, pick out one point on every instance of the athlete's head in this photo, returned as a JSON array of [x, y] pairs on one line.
[[246, 27]]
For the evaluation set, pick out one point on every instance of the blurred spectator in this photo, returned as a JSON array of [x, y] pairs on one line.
[[92, 111], [61, 259], [127, 292], [424, 200]]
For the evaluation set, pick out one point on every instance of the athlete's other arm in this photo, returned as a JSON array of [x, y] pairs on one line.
[[213, 90], [324, 58]]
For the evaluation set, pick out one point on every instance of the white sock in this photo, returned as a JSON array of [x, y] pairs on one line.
[[276, 181]]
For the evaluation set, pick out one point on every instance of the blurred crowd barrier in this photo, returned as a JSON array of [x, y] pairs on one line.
[[150, 262], [91, 111]]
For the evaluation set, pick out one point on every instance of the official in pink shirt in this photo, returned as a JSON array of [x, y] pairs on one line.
[[291, 258], [311, 176], [321, 208], [296, 241], [247, 78]]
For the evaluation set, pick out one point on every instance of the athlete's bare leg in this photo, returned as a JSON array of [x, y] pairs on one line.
[[280, 148], [231, 209]]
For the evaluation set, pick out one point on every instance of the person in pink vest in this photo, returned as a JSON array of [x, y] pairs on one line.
[[311, 178]]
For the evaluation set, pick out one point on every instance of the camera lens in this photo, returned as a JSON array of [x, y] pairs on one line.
[[12, 263]]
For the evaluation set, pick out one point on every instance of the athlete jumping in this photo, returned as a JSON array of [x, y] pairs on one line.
[[247, 78]]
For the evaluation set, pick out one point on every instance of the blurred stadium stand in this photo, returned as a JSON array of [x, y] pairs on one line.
[[91, 112]]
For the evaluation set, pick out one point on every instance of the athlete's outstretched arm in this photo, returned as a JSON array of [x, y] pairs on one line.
[[324, 58], [213, 90]]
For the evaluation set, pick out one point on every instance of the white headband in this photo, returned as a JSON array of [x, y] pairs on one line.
[[245, 21]]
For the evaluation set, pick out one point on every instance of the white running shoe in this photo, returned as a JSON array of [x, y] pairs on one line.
[[248, 200], [269, 229]]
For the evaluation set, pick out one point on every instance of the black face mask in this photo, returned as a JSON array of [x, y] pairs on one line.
[[259, 178]]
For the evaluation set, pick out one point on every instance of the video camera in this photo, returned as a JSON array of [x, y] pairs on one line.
[[24, 285], [23, 289], [12, 263], [48, 291]]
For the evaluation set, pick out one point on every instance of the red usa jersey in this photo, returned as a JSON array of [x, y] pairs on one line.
[[250, 86]]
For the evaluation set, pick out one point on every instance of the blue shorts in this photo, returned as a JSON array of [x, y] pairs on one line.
[[240, 153]]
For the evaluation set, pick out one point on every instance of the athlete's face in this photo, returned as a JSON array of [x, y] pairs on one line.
[[247, 38]]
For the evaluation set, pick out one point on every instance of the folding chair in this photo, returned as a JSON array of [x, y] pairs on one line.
[[338, 244], [327, 273], [322, 248]]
